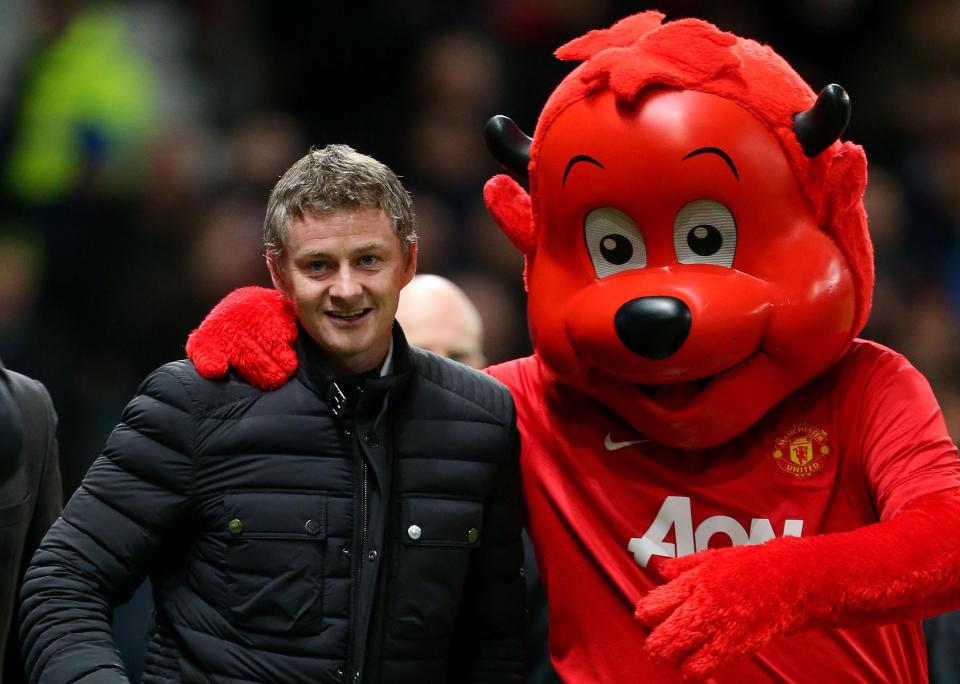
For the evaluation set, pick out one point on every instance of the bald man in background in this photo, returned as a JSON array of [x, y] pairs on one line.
[[436, 315]]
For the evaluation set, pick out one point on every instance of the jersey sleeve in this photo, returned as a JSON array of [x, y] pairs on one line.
[[902, 436]]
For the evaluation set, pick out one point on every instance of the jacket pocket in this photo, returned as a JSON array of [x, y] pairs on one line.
[[437, 539], [275, 548], [14, 513]]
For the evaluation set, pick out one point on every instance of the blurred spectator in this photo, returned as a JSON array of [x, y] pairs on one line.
[[436, 315], [30, 497], [20, 274], [83, 112]]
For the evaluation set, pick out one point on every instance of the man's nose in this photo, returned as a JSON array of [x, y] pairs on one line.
[[345, 284]]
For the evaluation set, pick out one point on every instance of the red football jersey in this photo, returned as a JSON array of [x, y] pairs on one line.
[[606, 506]]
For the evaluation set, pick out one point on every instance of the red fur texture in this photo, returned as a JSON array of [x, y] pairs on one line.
[[625, 32], [509, 204], [252, 329], [726, 603], [842, 205]]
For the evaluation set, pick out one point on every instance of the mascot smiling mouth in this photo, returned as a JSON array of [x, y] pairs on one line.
[[680, 395]]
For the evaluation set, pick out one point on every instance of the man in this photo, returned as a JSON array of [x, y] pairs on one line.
[[359, 523], [438, 316], [30, 495]]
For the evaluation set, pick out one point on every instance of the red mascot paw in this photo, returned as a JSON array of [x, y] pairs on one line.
[[720, 606], [253, 330]]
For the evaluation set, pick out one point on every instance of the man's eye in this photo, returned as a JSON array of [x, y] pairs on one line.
[[317, 266], [369, 260]]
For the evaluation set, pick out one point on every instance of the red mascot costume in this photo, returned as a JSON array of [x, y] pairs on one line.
[[721, 480]]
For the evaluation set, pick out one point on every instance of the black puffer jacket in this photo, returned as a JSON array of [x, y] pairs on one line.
[[284, 547], [31, 496]]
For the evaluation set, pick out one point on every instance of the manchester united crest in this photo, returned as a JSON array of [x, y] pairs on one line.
[[802, 451]]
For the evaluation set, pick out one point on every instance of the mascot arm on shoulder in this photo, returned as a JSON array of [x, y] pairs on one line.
[[696, 254], [253, 329]]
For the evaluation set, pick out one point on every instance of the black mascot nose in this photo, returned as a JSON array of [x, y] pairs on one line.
[[654, 327]]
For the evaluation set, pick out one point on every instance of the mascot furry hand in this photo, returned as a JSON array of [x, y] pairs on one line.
[[721, 480]]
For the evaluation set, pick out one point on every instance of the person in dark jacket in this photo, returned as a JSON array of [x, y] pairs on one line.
[[360, 523], [30, 496], [437, 315]]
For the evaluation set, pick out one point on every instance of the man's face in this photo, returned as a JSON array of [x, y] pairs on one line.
[[447, 338], [343, 272], [438, 317]]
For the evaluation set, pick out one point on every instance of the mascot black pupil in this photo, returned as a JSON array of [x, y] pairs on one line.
[[705, 240], [616, 249]]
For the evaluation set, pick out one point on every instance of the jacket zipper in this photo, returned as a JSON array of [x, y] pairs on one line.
[[365, 491], [366, 504]]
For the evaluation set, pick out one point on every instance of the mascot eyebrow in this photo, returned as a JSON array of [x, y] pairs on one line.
[[702, 150], [581, 158], [717, 151]]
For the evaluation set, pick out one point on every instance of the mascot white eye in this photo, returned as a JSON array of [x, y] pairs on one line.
[[705, 233], [613, 241]]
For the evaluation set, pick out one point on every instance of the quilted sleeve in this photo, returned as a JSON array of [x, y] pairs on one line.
[[131, 504]]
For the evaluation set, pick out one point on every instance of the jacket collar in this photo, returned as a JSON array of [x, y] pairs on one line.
[[314, 371]]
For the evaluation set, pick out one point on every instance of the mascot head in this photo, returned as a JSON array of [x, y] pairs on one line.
[[695, 236]]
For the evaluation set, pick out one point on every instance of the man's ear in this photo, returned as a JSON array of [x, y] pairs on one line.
[[277, 273], [410, 266]]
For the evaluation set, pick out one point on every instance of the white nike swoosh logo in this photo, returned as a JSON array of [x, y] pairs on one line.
[[613, 446]]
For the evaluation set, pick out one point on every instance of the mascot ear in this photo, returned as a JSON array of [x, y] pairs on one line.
[[842, 215], [509, 204]]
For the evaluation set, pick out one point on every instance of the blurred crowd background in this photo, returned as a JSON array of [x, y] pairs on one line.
[[139, 141]]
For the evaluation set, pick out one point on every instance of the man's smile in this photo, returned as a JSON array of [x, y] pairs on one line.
[[348, 316]]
